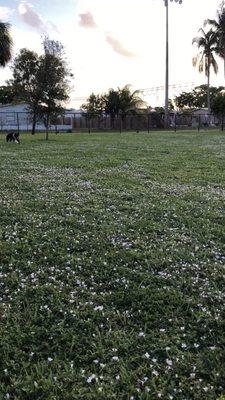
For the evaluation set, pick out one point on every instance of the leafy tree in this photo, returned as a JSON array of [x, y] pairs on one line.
[[25, 81], [114, 102], [207, 44], [197, 98], [42, 81], [5, 44], [218, 104], [185, 100], [219, 29], [7, 94], [94, 105], [53, 81]]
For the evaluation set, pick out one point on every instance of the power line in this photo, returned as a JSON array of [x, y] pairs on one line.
[[154, 89]]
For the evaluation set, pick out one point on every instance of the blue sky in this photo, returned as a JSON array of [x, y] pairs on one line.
[[110, 43]]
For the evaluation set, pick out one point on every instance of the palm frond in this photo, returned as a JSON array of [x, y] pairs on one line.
[[214, 65], [5, 44]]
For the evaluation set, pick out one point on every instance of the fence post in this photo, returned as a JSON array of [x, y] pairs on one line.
[[175, 122], [148, 123], [138, 123], [89, 124], [18, 122]]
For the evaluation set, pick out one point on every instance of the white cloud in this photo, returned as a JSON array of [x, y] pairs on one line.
[[5, 13], [31, 17], [87, 20], [118, 47], [34, 20]]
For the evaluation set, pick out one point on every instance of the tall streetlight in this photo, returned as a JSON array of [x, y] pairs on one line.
[[166, 120]]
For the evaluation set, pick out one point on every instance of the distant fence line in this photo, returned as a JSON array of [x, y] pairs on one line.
[[22, 121]]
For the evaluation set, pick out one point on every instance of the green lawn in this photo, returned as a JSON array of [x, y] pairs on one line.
[[113, 266]]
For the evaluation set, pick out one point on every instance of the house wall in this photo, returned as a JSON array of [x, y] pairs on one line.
[[14, 117]]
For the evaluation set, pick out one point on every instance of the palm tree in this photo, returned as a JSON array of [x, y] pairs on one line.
[[219, 29], [129, 101], [5, 44], [207, 43]]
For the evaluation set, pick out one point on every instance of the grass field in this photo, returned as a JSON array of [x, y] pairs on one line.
[[113, 266]]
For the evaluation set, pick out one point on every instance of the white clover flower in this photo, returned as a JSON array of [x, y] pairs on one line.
[[50, 359], [115, 358], [98, 308], [147, 355], [141, 334], [169, 362], [91, 378]]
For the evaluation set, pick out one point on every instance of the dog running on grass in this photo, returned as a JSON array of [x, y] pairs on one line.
[[13, 137]]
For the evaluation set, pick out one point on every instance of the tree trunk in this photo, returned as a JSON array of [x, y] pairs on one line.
[[34, 123], [208, 92], [224, 59], [47, 128]]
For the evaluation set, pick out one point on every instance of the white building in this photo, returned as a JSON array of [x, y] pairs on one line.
[[17, 116]]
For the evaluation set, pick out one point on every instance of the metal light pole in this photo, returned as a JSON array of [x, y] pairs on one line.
[[166, 120]]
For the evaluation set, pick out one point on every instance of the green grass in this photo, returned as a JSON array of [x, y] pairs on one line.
[[112, 266]]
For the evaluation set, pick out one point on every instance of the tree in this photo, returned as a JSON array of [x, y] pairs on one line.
[[129, 101], [218, 105], [25, 81], [185, 100], [42, 81], [114, 102], [7, 94], [207, 44], [5, 44], [53, 81], [197, 98], [219, 30], [94, 105], [121, 101]]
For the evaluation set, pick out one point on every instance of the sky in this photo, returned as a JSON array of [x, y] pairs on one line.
[[111, 43]]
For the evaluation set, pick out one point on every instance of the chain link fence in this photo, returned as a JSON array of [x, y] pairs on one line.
[[22, 122]]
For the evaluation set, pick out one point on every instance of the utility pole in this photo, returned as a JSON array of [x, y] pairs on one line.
[[166, 117]]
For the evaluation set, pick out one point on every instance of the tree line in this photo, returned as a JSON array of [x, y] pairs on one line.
[[44, 81]]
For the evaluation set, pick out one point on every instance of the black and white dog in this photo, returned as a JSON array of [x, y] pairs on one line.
[[13, 137]]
